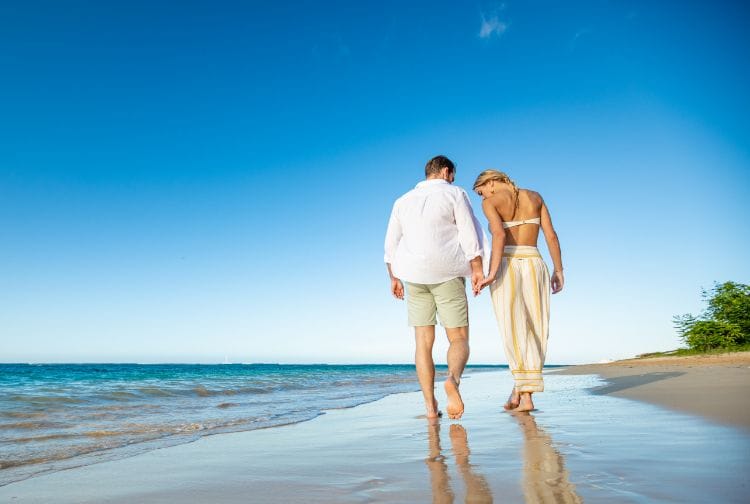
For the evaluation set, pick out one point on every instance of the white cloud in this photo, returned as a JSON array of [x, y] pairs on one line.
[[492, 26]]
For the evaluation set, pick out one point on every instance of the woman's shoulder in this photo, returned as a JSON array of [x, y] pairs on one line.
[[533, 196], [500, 200]]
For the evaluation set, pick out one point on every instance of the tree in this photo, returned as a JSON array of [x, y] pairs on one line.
[[725, 323]]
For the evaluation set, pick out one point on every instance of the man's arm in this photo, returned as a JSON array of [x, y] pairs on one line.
[[392, 238], [397, 288], [467, 237]]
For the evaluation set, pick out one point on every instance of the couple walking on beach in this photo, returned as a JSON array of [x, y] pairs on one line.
[[434, 241]]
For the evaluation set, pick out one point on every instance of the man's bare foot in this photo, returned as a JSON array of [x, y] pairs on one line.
[[433, 411], [455, 406], [512, 402], [525, 403]]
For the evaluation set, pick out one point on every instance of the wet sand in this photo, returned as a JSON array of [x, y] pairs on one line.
[[716, 387], [576, 447]]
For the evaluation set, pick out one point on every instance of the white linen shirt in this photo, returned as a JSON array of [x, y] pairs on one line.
[[432, 234]]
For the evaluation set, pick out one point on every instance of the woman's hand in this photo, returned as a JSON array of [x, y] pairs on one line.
[[486, 281], [557, 281]]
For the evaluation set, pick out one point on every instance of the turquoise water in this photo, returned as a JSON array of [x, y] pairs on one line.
[[54, 416]]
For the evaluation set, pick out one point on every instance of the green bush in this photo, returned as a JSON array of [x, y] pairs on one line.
[[724, 324], [707, 334], [730, 303]]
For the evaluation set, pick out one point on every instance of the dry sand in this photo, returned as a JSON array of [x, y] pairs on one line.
[[713, 386]]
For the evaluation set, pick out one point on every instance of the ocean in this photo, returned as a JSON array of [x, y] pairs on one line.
[[57, 416]]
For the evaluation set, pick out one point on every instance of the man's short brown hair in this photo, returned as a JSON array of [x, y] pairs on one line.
[[436, 164]]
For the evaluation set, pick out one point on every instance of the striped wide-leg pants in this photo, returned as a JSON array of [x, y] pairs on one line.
[[520, 297]]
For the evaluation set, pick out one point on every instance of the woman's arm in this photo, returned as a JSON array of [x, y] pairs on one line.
[[553, 244], [498, 239]]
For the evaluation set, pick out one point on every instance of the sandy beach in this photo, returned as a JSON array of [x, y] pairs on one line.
[[576, 447], [713, 386]]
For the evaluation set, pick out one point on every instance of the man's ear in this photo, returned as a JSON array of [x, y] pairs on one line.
[[445, 173]]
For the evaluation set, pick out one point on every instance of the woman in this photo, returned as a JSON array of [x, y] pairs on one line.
[[518, 278]]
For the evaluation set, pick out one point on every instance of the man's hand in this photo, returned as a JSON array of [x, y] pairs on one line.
[[476, 281], [557, 281], [397, 288], [477, 275]]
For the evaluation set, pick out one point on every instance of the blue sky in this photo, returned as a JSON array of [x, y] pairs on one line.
[[183, 181]]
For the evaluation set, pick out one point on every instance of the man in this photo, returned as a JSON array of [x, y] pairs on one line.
[[432, 244]]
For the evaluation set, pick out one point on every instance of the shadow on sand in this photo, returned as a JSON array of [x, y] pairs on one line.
[[625, 382]]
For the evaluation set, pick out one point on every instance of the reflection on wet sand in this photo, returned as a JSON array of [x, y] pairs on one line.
[[441, 488], [545, 478], [477, 489]]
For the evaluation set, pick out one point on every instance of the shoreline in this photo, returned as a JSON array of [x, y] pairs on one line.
[[714, 386], [27, 471], [387, 451]]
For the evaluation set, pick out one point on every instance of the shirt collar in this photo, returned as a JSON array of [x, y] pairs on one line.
[[430, 182]]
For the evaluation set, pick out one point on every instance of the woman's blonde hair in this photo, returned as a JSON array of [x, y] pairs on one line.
[[488, 175]]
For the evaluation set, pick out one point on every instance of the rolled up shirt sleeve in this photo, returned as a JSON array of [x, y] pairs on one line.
[[392, 236], [467, 232]]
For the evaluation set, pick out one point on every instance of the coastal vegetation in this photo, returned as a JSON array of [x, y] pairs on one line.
[[723, 326]]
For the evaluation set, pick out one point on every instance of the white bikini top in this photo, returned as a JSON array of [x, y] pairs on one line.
[[510, 224]]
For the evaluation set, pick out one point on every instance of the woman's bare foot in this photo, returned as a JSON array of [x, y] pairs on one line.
[[455, 406], [525, 403], [512, 402], [433, 411]]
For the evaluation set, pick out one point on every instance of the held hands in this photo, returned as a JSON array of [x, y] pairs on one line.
[[478, 281], [557, 281], [483, 282], [486, 281], [397, 288]]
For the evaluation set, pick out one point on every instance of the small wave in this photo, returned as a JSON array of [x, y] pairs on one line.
[[5, 464], [253, 390], [54, 456], [128, 407], [119, 395], [103, 433], [23, 414], [202, 391], [149, 391], [155, 391], [46, 437], [45, 399], [32, 425], [191, 427], [227, 405]]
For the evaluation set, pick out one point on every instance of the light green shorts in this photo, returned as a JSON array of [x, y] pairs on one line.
[[447, 300]]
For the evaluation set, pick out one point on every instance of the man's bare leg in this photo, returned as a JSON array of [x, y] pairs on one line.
[[458, 356], [425, 338]]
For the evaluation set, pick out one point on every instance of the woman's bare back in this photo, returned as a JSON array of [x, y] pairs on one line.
[[529, 207]]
